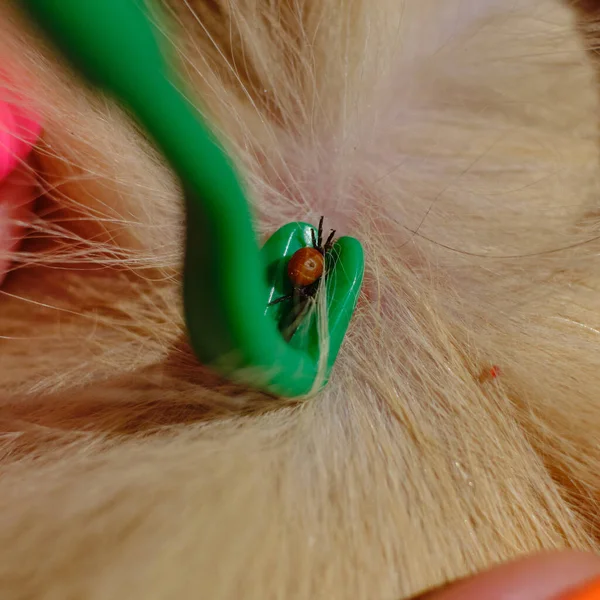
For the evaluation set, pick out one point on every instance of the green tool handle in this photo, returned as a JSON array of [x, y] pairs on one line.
[[114, 43]]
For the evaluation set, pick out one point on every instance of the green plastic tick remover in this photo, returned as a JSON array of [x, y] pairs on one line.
[[228, 281]]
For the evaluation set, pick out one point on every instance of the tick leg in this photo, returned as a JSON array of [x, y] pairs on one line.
[[298, 294], [309, 291], [282, 299], [320, 232], [329, 242]]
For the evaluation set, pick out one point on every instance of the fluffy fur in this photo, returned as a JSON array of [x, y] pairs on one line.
[[458, 141]]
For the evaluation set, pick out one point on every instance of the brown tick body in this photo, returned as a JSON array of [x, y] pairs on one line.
[[306, 266]]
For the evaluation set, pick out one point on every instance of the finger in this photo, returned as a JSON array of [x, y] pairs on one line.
[[551, 576]]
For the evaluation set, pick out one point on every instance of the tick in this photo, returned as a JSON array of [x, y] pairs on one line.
[[305, 268], [489, 374]]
